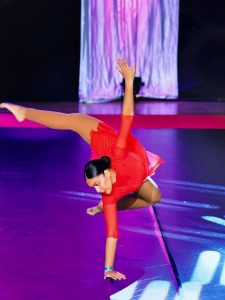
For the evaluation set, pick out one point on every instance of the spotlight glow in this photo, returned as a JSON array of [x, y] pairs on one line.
[[206, 267], [222, 278], [216, 220], [126, 293], [157, 289], [189, 291]]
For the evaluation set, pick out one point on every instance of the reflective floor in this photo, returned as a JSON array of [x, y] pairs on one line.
[[142, 107], [50, 249]]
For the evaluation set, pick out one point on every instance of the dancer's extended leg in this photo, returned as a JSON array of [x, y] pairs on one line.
[[148, 194], [80, 123]]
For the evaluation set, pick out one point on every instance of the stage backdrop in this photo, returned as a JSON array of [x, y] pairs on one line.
[[144, 32]]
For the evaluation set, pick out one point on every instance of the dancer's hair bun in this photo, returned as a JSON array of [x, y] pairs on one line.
[[96, 167], [107, 161]]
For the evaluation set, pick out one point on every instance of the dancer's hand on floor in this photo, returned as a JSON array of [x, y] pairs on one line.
[[114, 275], [127, 72]]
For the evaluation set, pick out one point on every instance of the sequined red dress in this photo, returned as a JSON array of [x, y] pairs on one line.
[[131, 162]]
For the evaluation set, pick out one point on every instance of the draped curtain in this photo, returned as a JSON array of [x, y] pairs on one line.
[[144, 32]]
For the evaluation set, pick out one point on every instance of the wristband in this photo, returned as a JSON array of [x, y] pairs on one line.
[[109, 268]]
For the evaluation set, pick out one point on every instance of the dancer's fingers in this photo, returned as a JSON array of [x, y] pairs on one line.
[[114, 275], [134, 68], [118, 69], [119, 61], [122, 68], [125, 67], [120, 276], [122, 62]]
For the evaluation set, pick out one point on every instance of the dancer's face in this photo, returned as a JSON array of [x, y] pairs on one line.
[[102, 183]]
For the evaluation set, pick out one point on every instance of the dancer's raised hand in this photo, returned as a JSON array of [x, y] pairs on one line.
[[125, 70]]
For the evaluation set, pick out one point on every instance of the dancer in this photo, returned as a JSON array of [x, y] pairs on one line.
[[119, 164]]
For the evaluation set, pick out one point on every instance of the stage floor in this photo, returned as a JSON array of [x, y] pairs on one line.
[[149, 114], [142, 107], [50, 249]]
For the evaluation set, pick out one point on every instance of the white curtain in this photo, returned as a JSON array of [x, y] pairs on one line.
[[144, 32]]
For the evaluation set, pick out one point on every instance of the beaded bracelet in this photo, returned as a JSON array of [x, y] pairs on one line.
[[109, 268]]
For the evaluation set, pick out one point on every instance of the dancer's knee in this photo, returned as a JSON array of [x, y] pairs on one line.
[[156, 197], [155, 194]]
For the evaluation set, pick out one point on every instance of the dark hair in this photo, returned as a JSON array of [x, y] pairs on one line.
[[96, 167]]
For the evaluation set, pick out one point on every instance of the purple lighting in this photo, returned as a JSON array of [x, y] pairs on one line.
[[143, 32]]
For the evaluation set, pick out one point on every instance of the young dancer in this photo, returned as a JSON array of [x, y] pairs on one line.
[[119, 164]]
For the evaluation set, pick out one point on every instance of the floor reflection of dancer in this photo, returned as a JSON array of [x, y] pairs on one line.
[[119, 166]]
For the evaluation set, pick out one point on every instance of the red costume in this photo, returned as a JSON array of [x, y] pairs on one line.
[[130, 161]]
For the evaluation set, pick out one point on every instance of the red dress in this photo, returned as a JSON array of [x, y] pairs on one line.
[[131, 162]]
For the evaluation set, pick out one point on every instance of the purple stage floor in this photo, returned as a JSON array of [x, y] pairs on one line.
[[142, 107], [50, 249]]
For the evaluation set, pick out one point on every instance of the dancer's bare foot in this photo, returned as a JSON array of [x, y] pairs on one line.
[[18, 111], [92, 211]]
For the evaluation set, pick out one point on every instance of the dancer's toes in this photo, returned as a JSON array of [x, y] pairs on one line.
[[18, 111], [2, 105]]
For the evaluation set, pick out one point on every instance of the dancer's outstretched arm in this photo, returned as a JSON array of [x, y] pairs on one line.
[[110, 209], [128, 74]]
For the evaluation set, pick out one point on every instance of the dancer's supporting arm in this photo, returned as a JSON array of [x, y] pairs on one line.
[[110, 210], [110, 215]]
